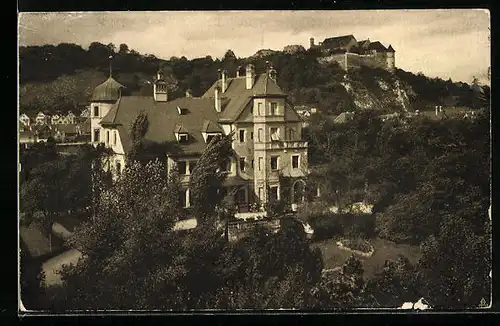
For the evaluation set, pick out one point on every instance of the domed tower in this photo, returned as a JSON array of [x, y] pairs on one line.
[[160, 87], [103, 98], [391, 64]]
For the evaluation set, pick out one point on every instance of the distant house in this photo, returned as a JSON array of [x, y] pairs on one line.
[[68, 132], [43, 132], [24, 119], [305, 112], [85, 113], [54, 119], [71, 118], [42, 118], [344, 117]]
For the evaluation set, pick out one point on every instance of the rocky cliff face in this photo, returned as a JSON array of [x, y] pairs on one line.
[[380, 92]]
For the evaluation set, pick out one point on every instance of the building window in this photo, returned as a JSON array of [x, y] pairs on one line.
[[260, 163], [290, 132], [251, 135], [118, 167], [192, 165], [114, 137], [274, 108], [97, 135], [242, 135], [182, 167], [259, 135], [241, 196], [274, 162], [259, 108], [242, 164], [183, 138], [183, 198], [209, 138], [274, 133], [252, 164], [295, 161], [273, 193], [107, 137], [96, 111]]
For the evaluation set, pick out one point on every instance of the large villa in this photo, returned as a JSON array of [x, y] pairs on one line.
[[267, 131]]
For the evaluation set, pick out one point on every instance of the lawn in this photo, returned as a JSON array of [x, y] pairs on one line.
[[333, 256]]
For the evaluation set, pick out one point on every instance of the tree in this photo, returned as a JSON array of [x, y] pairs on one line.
[[131, 245], [132, 231], [123, 49], [207, 178], [343, 289], [455, 265], [395, 284]]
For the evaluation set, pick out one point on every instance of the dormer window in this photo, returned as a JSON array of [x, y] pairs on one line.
[[183, 137], [181, 111]]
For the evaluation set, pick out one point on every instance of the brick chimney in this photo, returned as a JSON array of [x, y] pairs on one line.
[[224, 81], [218, 106], [250, 76]]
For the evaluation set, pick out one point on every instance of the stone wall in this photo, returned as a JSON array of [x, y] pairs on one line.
[[354, 60]]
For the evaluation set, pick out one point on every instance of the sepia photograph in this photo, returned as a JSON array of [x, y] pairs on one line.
[[183, 161]]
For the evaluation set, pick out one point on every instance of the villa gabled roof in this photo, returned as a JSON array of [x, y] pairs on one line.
[[236, 97], [209, 126], [164, 120]]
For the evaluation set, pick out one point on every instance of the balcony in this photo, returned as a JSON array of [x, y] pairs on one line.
[[287, 144]]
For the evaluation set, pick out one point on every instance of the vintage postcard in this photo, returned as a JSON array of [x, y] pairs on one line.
[[254, 160]]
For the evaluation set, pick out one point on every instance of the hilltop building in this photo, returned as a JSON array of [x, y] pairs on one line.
[[350, 53], [267, 140]]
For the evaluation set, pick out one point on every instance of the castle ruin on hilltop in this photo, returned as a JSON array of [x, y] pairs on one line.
[[350, 53]]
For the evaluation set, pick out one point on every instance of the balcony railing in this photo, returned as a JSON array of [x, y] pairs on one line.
[[284, 144]]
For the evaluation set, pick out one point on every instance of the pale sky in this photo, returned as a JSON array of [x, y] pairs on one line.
[[451, 43]]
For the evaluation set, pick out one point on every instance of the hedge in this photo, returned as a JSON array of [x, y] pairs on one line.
[[350, 225]]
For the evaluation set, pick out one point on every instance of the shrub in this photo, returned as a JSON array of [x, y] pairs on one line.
[[328, 225], [357, 244], [325, 226]]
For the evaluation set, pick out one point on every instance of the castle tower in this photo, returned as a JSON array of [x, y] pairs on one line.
[[311, 42], [391, 64]]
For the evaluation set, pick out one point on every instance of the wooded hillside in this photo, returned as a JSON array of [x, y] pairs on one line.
[[62, 78]]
